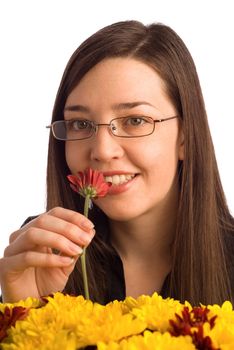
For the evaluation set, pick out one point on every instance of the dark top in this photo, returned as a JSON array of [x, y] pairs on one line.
[[115, 271]]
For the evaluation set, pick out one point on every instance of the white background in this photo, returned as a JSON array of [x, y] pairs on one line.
[[38, 37]]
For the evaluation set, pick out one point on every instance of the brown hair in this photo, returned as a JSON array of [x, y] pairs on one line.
[[199, 270]]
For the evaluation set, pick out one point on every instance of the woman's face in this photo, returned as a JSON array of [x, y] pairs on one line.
[[121, 87]]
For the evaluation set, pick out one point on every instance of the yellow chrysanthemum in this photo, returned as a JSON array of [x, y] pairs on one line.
[[51, 341], [71, 323], [73, 318], [28, 303], [222, 334], [154, 311], [150, 341], [223, 312], [49, 325]]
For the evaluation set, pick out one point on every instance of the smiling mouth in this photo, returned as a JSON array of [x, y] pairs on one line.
[[119, 179]]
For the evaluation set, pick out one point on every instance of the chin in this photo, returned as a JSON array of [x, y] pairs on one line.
[[120, 214]]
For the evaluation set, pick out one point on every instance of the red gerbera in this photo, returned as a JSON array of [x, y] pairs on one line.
[[89, 183]]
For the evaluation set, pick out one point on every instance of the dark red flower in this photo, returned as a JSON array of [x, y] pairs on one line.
[[89, 182], [191, 323], [9, 317]]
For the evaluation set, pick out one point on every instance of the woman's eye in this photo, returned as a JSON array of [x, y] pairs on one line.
[[79, 125], [135, 121]]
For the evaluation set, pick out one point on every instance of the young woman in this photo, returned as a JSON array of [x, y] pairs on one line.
[[131, 95]]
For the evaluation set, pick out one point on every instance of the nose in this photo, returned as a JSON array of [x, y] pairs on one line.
[[104, 145]]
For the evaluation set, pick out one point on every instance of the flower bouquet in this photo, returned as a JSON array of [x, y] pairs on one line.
[[147, 323]]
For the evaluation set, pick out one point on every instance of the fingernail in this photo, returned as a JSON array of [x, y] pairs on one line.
[[93, 232], [67, 260], [88, 225], [86, 239], [75, 249]]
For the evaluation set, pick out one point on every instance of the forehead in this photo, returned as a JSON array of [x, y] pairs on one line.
[[119, 80]]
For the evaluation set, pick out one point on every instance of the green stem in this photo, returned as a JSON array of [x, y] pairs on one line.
[[83, 261]]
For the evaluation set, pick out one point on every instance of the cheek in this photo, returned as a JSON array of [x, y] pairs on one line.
[[160, 159], [75, 157]]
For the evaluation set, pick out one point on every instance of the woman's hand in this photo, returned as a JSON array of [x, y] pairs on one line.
[[29, 267]]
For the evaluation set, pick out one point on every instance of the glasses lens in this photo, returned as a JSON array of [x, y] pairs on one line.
[[76, 129], [133, 126]]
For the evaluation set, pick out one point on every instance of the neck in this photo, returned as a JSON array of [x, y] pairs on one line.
[[147, 236]]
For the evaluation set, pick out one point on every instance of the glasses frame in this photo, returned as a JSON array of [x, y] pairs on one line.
[[96, 126]]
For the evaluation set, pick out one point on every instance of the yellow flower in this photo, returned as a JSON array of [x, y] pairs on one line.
[[107, 323], [155, 310], [73, 319], [47, 326], [222, 334], [71, 323], [28, 303], [150, 341]]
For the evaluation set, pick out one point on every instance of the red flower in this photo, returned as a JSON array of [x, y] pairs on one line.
[[9, 317], [89, 183], [191, 323]]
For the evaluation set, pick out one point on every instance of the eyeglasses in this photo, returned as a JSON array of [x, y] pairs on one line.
[[127, 127]]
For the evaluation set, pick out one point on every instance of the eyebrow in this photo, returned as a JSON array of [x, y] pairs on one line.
[[115, 107]]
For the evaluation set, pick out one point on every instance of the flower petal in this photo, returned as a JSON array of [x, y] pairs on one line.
[[89, 182]]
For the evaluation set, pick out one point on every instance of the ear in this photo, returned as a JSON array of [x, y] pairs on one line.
[[181, 144]]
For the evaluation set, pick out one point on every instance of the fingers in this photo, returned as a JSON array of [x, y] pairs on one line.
[[34, 238], [67, 226], [73, 217], [14, 236], [21, 262], [29, 253], [61, 229]]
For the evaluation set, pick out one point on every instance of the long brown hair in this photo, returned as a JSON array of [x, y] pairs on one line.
[[199, 268]]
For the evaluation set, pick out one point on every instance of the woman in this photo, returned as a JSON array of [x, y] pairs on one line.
[[165, 225]]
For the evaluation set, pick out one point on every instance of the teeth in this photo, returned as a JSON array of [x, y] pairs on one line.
[[118, 179]]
